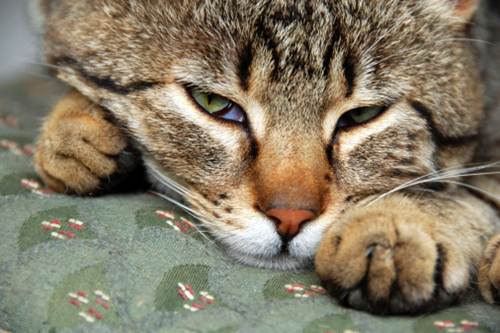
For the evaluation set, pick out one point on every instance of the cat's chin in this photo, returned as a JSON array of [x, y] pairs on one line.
[[282, 261]]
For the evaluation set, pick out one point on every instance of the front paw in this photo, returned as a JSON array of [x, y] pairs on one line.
[[489, 272], [78, 149], [388, 259]]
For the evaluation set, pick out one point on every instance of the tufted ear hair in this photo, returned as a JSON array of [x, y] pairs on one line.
[[465, 9], [460, 12]]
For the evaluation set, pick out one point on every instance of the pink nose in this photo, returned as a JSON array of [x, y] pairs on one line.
[[289, 221]]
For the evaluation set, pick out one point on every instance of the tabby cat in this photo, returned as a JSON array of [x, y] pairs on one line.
[[339, 132]]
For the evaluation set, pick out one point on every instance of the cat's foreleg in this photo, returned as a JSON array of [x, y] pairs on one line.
[[78, 150], [407, 253], [489, 272]]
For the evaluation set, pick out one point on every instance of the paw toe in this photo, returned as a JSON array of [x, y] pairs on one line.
[[98, 163], [65, 170], [382, 274], [416, 256]]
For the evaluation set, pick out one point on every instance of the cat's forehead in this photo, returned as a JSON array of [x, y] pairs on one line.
[[289, 51], [296, 43], [302, 33], [307, 33]]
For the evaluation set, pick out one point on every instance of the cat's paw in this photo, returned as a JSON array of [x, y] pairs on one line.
[[489, 272], [389, 259], [78, 149]]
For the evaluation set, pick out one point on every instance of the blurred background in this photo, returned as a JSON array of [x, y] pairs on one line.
[[19, 45]]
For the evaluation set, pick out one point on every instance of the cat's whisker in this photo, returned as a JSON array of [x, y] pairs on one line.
[[195, 215], [170, 183], [401, 187], [37, 74], [178, 186], [460, 172], [181, 205], [167, 181], [452, 172], [472, 40], [465, 175], [199, 215], [463, 203], [185, 192], [188, 210], [43, 64], [474, 188]]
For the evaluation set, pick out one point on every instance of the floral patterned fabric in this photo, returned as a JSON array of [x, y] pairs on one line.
[[134, 263]]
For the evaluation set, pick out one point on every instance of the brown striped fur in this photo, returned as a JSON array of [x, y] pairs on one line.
[[295, 67]]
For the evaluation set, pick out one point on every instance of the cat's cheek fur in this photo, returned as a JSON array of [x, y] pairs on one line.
[[257, 237], [306, 243]]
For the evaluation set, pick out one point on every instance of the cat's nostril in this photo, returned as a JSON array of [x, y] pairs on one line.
[[289, 221]]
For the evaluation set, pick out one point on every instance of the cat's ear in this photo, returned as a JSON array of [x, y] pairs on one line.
[[459, 11], [464, 9]]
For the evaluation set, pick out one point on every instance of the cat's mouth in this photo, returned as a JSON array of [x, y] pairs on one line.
[[258, 243], [270, 251]]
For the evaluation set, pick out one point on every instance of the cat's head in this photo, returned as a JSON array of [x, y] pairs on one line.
[[275, 116]]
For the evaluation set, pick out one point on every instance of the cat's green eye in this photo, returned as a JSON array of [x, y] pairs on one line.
[[359, 116], [218, 106], [210, 102], [362, 115]]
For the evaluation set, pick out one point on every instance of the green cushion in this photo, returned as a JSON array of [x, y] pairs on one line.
[[134, 263]]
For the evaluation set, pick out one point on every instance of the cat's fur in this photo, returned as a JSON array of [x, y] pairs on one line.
[[295, 67]]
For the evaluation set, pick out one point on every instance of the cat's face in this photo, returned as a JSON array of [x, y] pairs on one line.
[[321, 103]]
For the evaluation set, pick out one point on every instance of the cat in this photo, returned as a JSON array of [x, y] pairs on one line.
[[335, 132]]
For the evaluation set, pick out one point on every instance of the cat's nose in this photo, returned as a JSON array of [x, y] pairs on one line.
[[289, 221]]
